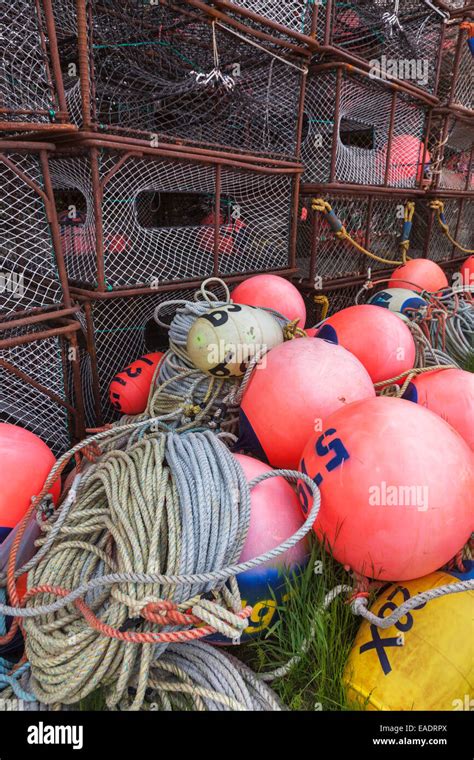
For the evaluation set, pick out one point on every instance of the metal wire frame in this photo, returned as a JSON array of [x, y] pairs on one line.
[[455, 87], [429, 238], [329, 34], [111, 178], [32, 270], [451, 146], [117, 332], [374, 117], [374, 220], [138, 68], [40, 386], [32, 97]]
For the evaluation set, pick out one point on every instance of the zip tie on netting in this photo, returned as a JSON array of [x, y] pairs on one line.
[[340, 232], [143, 550], [438, 207]]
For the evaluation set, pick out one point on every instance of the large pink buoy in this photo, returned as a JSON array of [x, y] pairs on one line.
[[450, 394], [25, 463], [272, 292], [275, 515], [467, 272], [418, 275], [407, 159], [397, 486], [378, 337], [299, 384]]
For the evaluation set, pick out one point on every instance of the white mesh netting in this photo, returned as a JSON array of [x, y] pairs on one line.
[[28, 270], [121, 333], [406, 32], [451, 146], [458, 215], [28, 92], [460, 86], [300, 16], [158, 220], [21, 403], [168, 75], [363, 127]]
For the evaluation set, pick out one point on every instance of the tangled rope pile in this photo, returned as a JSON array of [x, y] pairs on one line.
[[143, 553]]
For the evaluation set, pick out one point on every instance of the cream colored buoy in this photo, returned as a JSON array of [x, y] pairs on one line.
[[224, 341]]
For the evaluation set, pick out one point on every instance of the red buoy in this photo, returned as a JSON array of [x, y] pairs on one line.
[[379, 338], [418, 275], [129, 390]]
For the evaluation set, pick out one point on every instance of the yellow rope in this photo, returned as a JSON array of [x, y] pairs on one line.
[[319, 204], [322, 301], [438, 207]]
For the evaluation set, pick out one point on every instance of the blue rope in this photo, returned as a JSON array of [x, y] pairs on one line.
[[6, 678]]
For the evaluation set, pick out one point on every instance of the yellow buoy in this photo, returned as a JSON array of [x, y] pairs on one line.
[[425, 661], [224, 341]]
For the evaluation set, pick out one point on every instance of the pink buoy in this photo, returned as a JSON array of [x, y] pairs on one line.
[[275, 515], [407, 159], [397, 485], [290, 395], [379, 338], [418, 275], [272, 292], [450, 394]]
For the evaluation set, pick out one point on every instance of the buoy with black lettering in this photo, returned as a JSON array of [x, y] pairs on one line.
[[397, 488], [400, 301], [300, 383], [380, 340], [223, 341], [424, 661], [129, 390]]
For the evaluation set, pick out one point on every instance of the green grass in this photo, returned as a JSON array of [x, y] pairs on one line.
[[315, 683]]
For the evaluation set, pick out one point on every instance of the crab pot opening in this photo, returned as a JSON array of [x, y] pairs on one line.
[[163, 217], [358, 130]]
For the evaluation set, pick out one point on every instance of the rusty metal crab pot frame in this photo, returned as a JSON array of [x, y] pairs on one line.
[[451, 145], [32, 97], [33, 272], [40, 385], [259, 113], [117, 172], [455, 89]]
